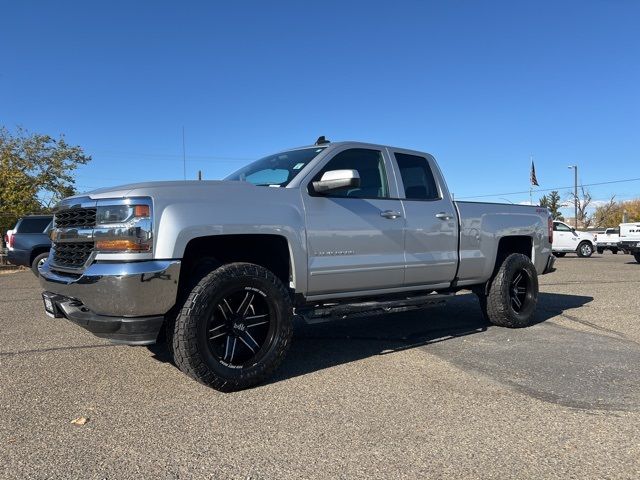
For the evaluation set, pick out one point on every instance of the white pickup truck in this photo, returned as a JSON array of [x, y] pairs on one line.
[[630, 239], [324, 231], [567, 239], [609, 240]]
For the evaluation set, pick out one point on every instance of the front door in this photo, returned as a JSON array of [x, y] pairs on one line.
[[355, 236], [564, 238]]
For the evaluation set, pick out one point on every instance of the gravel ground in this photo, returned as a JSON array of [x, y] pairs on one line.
[[434, 394]]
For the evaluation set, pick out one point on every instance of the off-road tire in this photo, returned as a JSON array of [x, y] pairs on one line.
[[39, 259], [584, 250], [498, 306], [559, 254], [203, 267], [637, 257], [190, 336]]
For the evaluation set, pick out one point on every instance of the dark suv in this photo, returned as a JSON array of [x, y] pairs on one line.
[[29, 244]]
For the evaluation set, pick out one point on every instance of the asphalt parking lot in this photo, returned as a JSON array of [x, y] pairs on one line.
[[434, 394]]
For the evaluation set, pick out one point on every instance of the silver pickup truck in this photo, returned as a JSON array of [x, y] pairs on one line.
[[218, 269]]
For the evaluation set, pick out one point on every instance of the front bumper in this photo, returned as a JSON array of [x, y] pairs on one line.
[[633, 246], [126, 330], [124, 302]]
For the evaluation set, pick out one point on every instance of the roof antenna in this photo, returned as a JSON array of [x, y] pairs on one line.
[[322, 140]]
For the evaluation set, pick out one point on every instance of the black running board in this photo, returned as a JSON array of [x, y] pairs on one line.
[[328, 312]]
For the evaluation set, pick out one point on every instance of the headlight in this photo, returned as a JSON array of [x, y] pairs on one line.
[[120, 213], [124, 226]]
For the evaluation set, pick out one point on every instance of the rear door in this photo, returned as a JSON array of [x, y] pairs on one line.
[[431, 226], [355, 237]]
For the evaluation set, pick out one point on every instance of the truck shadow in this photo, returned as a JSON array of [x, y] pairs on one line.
[[321, 346], [316, 347]]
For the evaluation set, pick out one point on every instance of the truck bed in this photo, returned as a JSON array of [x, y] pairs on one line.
[[483, 224]]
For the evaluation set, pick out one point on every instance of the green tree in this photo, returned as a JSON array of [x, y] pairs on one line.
[[552, 202], [36, 171]]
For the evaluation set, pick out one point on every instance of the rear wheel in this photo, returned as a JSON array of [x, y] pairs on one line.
[[614, 251], [235, 327], [601, 250], [38, 262], [637, 257], [585, 250], [513, 293]]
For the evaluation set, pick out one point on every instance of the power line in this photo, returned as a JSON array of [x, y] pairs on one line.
[[551, 189], [171, 156]]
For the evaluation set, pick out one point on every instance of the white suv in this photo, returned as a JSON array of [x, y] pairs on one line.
[[567, 240]]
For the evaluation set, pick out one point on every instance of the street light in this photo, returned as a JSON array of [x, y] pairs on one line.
[[575, 194]]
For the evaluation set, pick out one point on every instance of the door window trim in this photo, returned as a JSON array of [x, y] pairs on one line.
[[389, 167], [401, 189]]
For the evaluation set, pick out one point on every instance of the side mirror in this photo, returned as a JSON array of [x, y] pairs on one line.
[[334, 179]]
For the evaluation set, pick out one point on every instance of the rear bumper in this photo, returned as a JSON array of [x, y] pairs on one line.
[[549, 266], [19, 257]]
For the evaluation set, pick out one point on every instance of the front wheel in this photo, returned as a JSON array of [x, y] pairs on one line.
[[513, 293], [585, 250], [559, 254], [235, 327]]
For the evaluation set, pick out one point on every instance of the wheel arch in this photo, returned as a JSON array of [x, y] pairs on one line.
[[513, 244], [271, 251], [38, 251]]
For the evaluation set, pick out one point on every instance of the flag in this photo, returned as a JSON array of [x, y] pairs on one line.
[[534, 180]]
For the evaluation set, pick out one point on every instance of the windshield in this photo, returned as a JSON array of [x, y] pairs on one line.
[[276, 170]]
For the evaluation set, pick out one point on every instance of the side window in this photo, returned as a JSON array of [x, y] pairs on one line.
[[33, 225], [561, 227], [417, 177], [370, 167]]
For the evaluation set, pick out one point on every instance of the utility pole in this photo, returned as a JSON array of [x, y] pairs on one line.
[[575, 194]]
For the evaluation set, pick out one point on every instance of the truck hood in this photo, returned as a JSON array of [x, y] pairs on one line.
[[150, 189], [586, 236]]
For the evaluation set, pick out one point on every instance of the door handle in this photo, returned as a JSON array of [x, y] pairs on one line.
[[390, 214], [444, 216]]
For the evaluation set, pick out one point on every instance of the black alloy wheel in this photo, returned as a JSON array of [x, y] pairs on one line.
[[239, 327], [520, 291], [512, 293], [234, 328]]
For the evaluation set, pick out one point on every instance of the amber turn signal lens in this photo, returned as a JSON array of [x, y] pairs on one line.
[[121, 246], [141, 211]]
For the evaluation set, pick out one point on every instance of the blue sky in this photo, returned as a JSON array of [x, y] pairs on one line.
[[481, 85]]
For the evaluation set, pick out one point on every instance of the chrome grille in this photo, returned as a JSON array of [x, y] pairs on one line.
[[75, 217], [71, 255]]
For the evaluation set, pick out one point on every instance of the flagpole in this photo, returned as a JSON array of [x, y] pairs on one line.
[[531, 184]]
